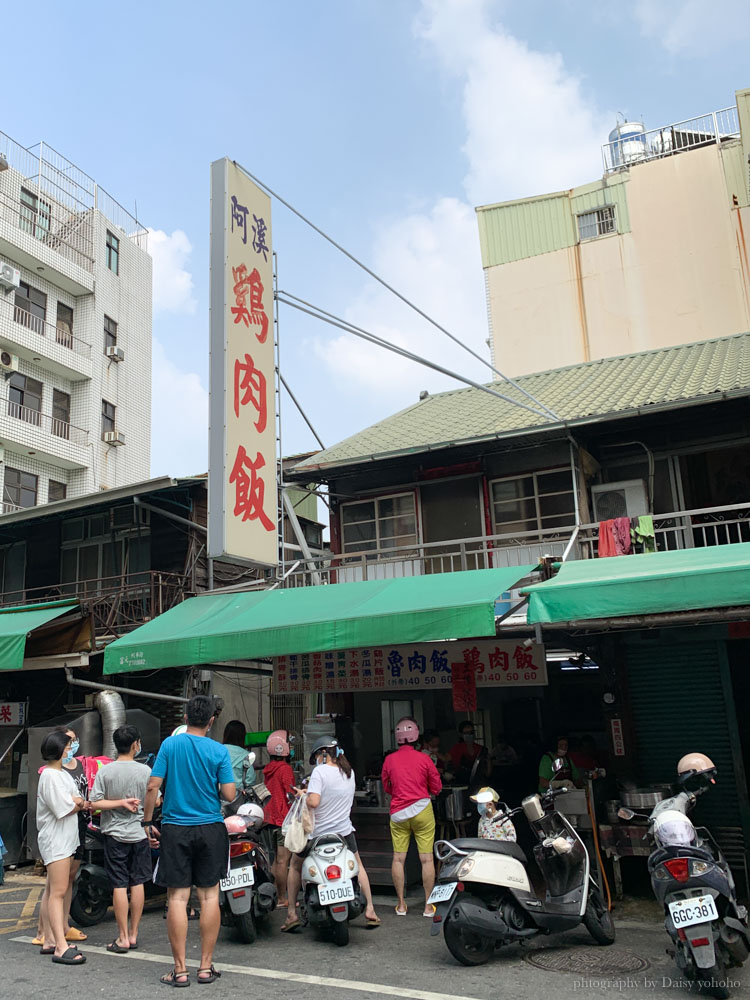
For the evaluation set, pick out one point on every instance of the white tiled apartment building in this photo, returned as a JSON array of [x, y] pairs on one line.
[[75, 333]]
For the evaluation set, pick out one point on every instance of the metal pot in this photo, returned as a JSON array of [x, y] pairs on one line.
[[455, 802], [645, 798]]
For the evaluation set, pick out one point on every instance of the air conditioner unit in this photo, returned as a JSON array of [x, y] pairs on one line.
[[10, 277], [625, 499], [8, 361], [113, 437], [115, 353]]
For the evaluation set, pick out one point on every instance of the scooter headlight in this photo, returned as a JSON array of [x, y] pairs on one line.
[[699, 867], [465, 867]]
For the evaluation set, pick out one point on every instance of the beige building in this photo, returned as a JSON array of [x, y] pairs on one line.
[[656, 253]]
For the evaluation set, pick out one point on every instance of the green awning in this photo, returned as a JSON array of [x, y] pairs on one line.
[[655, 583], [255, 625], [17, 623]]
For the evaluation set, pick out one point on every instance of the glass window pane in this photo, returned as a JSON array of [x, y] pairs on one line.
[[555, 482], [512, 489], [559, 503], [391, 506], [393, 526], [356, 534], [88, 562], [353, 512]]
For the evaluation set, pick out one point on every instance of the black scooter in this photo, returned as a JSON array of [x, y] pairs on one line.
[[484, 897]]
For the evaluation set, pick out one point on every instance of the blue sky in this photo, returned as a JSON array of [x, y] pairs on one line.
[[384, 121]]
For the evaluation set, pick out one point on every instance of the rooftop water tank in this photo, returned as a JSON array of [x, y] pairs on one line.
[[628, 143]]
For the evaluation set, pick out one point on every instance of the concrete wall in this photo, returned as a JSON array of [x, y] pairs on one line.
[[680, 275]]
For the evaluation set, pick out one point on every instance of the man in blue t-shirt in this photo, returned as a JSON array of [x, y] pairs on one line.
[[193, 839]]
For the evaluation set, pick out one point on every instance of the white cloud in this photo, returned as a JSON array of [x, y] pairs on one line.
[[693, 27], [529, 129], [173, 282], [179, 419]]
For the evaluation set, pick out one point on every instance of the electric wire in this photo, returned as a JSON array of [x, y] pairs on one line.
[[287, 299], [549, 413]]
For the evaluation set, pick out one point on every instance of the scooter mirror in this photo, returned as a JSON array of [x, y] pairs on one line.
[[251, 758], [624, 813], [558, 764]]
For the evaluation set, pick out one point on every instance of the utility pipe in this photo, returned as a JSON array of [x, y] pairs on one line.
[[77, 682], [168, 514]]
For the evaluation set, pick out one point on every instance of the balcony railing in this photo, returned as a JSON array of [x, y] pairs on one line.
[[68, 232], [52, 425], [698, 528], [677, 138], [118, 603], [61, 334]]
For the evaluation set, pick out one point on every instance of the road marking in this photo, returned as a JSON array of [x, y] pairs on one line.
[[30, 905], [287, 977]]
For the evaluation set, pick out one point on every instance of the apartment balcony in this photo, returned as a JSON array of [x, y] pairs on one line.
[[118, 604], [53, 348], [47, 438], [696, 528]]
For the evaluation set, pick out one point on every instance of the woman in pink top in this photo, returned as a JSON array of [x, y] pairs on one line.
[[410, 778]]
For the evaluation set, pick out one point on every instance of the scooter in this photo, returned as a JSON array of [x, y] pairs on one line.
[[694, 884], [247, 894], [331, 894], [484, 898]]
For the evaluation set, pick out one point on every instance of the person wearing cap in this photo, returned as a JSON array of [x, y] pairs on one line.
[[487, 799], [410, 778], [278, 778]]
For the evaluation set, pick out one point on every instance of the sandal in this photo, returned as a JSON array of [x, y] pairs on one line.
[[173, 978], [371, 922], [70, 957], [290, 925], [75, 935], [117, 948], [38, 940], [212, 976], [47, 951], [401, 913]]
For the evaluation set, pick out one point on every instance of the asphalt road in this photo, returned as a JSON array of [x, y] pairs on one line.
[[398, 960]]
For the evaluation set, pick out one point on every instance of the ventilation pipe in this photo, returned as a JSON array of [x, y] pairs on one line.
[[112, 710]]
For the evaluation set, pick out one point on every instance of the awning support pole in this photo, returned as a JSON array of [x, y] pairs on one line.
[[77, 682], [291, 513]]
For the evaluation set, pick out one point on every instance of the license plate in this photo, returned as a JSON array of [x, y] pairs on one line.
[[442, 892], [238, 878], [328, 894], [698, 910]]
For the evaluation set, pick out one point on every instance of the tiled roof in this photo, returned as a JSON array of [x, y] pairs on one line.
[[661, 379]]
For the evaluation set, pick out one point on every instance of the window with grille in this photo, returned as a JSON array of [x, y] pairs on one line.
[[382, 523], [600, 222], [110, 333], [25, 399], [539, 501], [56, 491], [113, 252], [21, 488]]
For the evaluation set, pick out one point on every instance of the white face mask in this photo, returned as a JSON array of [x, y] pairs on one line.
[[469, 738]]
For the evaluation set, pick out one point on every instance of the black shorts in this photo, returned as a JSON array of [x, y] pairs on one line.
[[127, 863], [192, 855], [83, 822], [349, 838]]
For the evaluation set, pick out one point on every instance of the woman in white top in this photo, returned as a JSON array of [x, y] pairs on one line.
[[330, 793], [57, 806]]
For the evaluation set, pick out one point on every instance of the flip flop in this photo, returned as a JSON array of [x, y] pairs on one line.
[[71, 957], [401, 913], [431, 913], [291, 925], [212, 976], [171, 978], [38, 940], [371, 922], [75, 935], [117, 948], [134, 947]]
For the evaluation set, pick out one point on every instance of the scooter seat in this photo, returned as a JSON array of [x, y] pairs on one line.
[[507, 847]]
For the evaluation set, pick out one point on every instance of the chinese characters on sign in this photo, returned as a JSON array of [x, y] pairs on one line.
[[618, 740], [12, 713], [426, 666], [242, 442]]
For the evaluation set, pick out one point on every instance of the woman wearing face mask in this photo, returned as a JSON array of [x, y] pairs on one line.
[[75, 769], [330, 796], [566, 771], [470, 761], [487, 800]]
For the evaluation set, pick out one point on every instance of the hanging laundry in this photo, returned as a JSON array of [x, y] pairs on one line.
[[621, 533], [642, 532], [607, 545]]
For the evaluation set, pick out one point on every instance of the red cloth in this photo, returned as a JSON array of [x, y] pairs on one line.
[[278, 777], [462, 750], [409, 776], [614, 537]]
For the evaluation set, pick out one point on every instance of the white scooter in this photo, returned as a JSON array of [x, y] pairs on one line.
[[331, 895]]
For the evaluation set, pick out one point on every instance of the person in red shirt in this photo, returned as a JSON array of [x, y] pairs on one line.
[[278, 778], [410, 778], [470, 761]]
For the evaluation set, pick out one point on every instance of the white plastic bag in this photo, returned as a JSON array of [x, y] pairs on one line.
[[293, 827]]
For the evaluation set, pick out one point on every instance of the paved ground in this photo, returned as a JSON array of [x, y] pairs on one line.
[[398, 960]]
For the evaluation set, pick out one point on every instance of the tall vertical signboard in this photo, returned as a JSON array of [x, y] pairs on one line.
[[242, 491]]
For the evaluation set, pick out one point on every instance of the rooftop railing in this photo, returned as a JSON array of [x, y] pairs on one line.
[[639, 147], [68, 233]]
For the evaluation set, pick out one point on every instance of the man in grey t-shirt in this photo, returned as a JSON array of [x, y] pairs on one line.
[[119, 791]]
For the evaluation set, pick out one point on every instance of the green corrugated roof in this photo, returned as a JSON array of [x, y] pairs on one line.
[[579, 394]]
